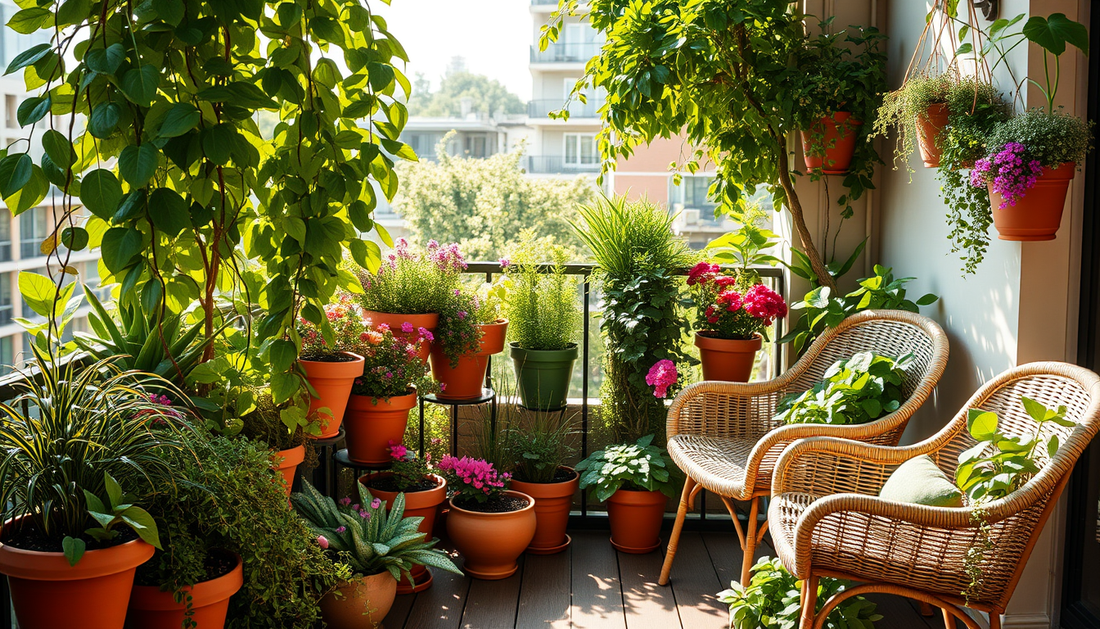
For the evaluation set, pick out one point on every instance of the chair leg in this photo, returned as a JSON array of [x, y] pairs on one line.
[[809, 602], [995, 620], [752, 530], [677, 528], [948, 619]]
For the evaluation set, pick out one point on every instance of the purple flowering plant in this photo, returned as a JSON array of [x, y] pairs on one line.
[[1009, 171], [392, 364]]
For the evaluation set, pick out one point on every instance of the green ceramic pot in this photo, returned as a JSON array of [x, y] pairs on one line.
[[543, 375]]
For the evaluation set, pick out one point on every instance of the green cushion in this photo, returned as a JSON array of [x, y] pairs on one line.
[[920, 481]]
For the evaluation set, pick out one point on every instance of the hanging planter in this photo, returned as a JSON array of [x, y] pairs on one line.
[[419, 503], [543, 375], [150, 608], [492, 541], [360, 602], [465, 381], [1038, 213], [332, 380], [929, 126], [730, 360], [830, 143], [396, 322], [287, 462], [373, 423], [553, 501]]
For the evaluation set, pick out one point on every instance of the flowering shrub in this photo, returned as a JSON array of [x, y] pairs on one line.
[[473, 480], [343, 332], [729, 310], [661, 376], [392, 363], [1008, 171], [408, 469]]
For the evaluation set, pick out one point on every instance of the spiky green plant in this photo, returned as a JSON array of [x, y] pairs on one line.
[[368, 539], [542, 304]]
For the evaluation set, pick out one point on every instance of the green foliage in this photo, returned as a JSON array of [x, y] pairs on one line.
[[485, 96], [230, 499], [772, 600], [117, 510], [538, 446], [1053, 138], [368, 539], [1050, 33], [483, 203], [543, 306], [748, 247], [901, 108], [638, 256], [639, 466], [853, 391], [262, 422]]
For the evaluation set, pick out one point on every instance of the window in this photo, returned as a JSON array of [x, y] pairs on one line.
[[693, 194], [580, 149], [11, 107], [7, 354], [423, 143], [90, 277], [5, 301], [477, 145], [34, 226], [5, 236]]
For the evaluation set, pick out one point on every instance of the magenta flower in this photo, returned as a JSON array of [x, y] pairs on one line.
[[322, 541], [345, 501], [661, 376], [407, 327], [341, 529], [374, 504], [1007, 173]]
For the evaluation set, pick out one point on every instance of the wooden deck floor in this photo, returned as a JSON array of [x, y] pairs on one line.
[[591, 586]]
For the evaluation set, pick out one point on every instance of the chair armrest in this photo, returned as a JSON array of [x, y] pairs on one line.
[[823, 466]]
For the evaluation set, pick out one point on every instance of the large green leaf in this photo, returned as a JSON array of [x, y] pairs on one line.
[[140, 85], [138, 164], [59, 148], [104, 120], [15, 172], [28, 57], [120, 245], [105, 60], [32, 109], [31, 194], [169, 211], [180, 119], [1054, 32], [100, 192], [38, 292], [29, 20]]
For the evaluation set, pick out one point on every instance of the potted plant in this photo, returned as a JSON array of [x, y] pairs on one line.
[[543, 311], [262, 422], [839, 83], [464, 374], [376, 550], [635, 481], [328, 365], [488, 523], [917, 109], [732, 317], [70, 533], [384, 393], [424, 493]]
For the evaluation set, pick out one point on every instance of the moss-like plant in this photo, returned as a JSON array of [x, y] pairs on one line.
[[901, 108], [542, 305]]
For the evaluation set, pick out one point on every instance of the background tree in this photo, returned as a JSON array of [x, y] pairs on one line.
[[486, 96]]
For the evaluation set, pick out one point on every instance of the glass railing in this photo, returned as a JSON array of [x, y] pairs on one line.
[[557, 165], [559, 52], [541, 108]]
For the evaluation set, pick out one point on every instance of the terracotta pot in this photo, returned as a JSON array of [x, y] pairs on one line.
[[636, 518], [491, 542], [332, 381], [1037, 214], [928, 130], [427, 321], [839, 143], [731, 360], [418, 504], [543, 376], [152, 609], [288, 462], [373, 423], [363, 604], [553, 501], [48, 593], [464, 382]]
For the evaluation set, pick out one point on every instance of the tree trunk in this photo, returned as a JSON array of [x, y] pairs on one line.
[[795, 207]]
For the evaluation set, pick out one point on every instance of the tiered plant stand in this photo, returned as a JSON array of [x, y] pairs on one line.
[[488, 396]]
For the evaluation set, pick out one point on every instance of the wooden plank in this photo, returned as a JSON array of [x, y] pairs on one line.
[[597, 592], [646, 604], [441, 605], [544, 596], [899, 612], [695, 585], [725, 555], [399, 613], [492, 604]]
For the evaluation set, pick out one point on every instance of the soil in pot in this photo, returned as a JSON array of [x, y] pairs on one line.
[[553, 501], [360, 603], [372, 423], [729, 360], [836, 136], [287, 462], [150, 608], [635, 518], [928, 131], [543, 376], [1038, 214], [421, 501], [492, 535], [332, 380], [464, 381]]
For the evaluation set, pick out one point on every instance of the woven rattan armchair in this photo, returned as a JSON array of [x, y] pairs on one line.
[[725, 438], [827, 519]]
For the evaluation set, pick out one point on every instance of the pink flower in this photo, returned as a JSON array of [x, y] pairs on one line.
[[374, 504], [364, 514], [407, 327], [764, 303], [383, 327], [341, 529], [397, 450], [505, 263], [322, 541], [426, 334], [345, 501], [661, 376], [701, 273]]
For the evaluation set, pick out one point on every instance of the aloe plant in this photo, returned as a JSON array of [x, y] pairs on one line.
[[368, 539]]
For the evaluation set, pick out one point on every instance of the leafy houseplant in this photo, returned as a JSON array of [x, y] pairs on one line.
[[853, 391], [291, 447], [635, 479], [772, 600], [544, 319], [378, 548], [638, 255]]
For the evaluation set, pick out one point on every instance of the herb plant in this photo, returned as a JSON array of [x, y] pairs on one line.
[[639, 466], [542, 306], [853, 391], [539, 446], [262, 422], [392, 364]]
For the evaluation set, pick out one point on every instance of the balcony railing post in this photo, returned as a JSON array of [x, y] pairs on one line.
[[584, 383]]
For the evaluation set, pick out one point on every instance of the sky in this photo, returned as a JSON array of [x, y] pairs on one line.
[[493, 36]]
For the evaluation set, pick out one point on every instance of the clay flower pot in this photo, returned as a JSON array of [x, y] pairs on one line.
[[464, 381], [839, 143], [362, 602], [928, 131], [427, 321], [491, 542], [553, 501], [287, 462], [418, 504], [730, 360], [332, 381], [373, 423], [48, 593], [152, 609], [636, 518], [543, 376], [1038, 214]]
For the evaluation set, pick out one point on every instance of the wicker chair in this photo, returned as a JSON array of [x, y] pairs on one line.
[[827, 519], [725, 438]]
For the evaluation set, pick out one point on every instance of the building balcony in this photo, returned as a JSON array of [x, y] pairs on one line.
[[559, 52], [540, 109], [556, 165]]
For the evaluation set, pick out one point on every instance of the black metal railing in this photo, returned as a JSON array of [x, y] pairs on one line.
[[559, 52]]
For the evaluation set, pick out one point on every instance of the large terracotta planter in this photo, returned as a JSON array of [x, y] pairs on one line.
[[418, 504], [371, 425], [727, 359], [332, 381], [48, 593], [394, 320], [152, 609], [1036, 215], [491, 542], [543, 376], [839, 143], [636, 518], [287, 462], [464, 381], [928, 130], [553, 501], [362, 603]]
